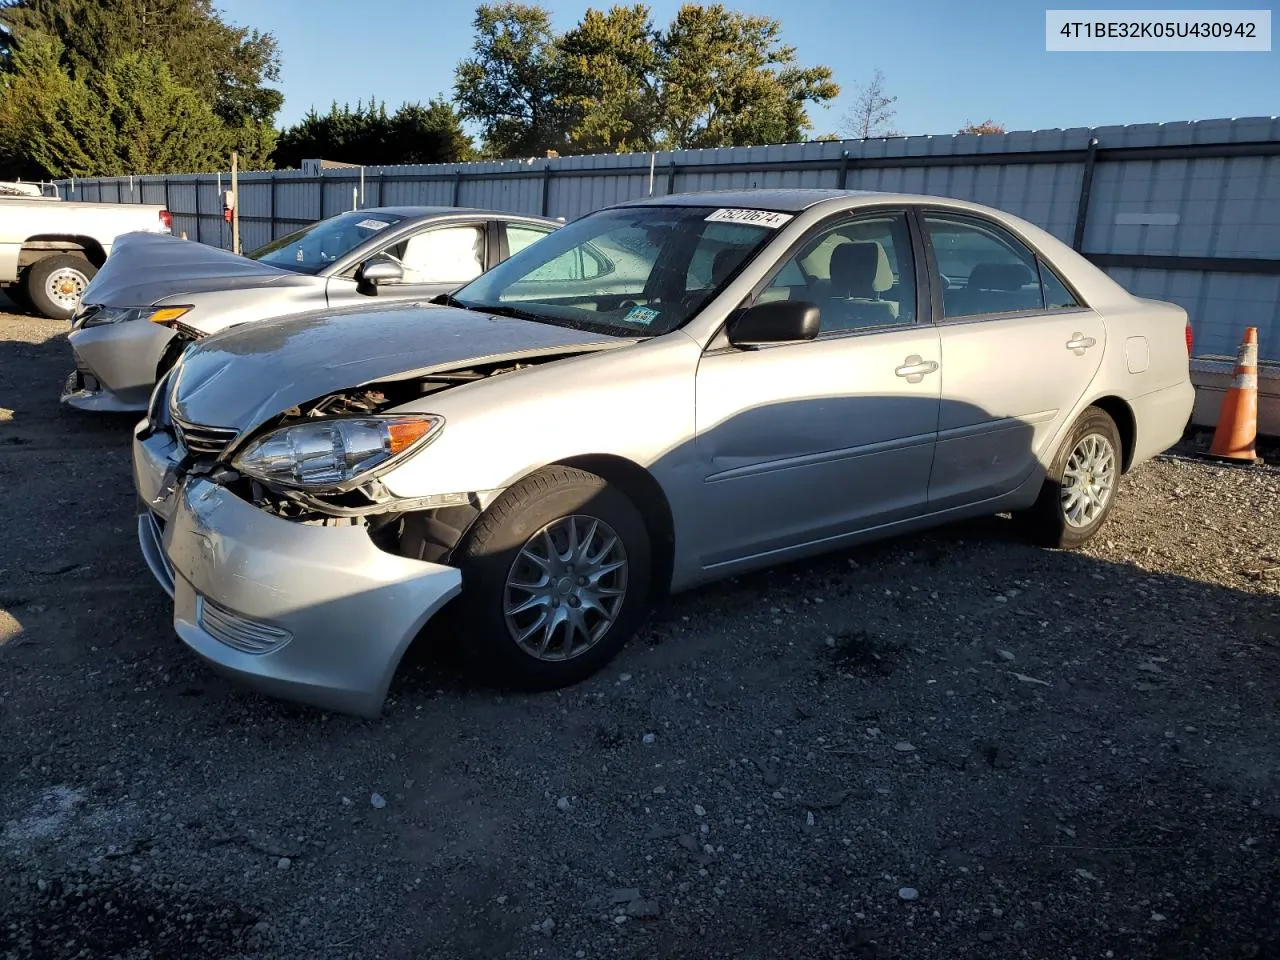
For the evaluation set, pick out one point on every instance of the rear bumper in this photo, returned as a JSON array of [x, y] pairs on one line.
[[310, 613], [1161, 418]]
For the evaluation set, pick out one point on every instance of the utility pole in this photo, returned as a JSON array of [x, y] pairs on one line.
[[235, 207]]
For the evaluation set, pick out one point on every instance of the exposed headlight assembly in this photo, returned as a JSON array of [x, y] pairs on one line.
[[334, 452], [105, 315]]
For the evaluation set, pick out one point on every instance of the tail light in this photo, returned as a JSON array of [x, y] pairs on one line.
[[1190, 338], [167, 219]]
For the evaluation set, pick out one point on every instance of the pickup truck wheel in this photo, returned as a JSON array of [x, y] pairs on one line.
[[555, 580], [55, 284]]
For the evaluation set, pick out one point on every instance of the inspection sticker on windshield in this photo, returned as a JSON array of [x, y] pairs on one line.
[[373, 224], [761, 218], [644, 315]]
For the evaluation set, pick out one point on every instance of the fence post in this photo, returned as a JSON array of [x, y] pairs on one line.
[[271, 206], [546, 188], [320, 184], [1086, 187], [457, 186], [843, 178], [671, 177]]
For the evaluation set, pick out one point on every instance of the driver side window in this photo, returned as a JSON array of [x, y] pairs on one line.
[[452, 254], [860, 273]]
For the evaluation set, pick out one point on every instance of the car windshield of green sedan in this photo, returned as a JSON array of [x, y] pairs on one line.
[[314, 247], [633, 271]]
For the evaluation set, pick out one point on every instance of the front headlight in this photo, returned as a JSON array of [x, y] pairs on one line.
[[104, 315], [331, 452]]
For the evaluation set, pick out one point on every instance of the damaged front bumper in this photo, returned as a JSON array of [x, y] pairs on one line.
[[115, 366], [307, 612]]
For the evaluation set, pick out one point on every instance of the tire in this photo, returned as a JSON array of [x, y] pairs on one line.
[[1049, 522], [550, 500], [69, 272]]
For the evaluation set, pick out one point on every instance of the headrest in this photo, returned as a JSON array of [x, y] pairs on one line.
[[725, 262], [1000, 276], [860, 268]]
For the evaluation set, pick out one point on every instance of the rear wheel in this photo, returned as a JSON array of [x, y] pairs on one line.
[[555, 580], [1080, 488], [55, 284]]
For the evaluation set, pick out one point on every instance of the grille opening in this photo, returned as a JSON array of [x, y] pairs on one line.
[[201, 440]]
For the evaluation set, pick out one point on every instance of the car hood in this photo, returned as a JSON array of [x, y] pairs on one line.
[[242, 377], [145, 268]]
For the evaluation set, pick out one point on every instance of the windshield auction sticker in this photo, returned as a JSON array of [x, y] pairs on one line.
[[638, 314], [372, 224], [759, 218]]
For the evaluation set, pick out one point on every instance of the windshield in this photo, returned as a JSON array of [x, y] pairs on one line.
[[631, 271], [313, 248]]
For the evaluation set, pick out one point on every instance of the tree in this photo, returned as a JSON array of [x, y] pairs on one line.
[[508, 85], [131, 117], [986, 126], [608, 81], [727, 80], [369, 135], [614, 82], [873, 111], [229, 67]]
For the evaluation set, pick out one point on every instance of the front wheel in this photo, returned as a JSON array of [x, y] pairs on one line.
[[555, 580], [55, 284], [1080, 488]]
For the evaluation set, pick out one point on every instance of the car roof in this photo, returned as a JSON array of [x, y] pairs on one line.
[[409, 211], [788, 200]]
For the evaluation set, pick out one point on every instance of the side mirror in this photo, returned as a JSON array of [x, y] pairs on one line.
[[780, 321], [380, 270]]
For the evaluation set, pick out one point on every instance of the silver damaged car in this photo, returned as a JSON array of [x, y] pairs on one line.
[[656, 395], [156, 294]]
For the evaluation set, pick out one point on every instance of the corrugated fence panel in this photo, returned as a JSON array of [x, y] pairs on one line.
[[1187, 212]]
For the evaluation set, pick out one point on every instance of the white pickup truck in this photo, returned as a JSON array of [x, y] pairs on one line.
[[50, 248]]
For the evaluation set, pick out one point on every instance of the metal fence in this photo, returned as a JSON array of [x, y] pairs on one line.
[[1187, 212]]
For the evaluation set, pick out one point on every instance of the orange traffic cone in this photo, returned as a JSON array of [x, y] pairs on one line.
[[1237, 429]]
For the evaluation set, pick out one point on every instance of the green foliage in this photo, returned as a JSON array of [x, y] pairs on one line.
[[226, 69], [129, 118], [614, 82], [509, 85], [609, 70], [370, 136]]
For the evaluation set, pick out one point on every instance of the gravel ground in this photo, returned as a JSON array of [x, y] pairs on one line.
[[954, 746]]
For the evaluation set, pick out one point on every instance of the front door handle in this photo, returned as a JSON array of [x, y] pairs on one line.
[[1080, 343], [915, 367]]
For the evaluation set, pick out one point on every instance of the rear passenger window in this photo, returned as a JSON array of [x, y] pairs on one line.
[[1056, 295], [983, 269]]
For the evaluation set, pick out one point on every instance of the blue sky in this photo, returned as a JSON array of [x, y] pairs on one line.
[[946, 60]]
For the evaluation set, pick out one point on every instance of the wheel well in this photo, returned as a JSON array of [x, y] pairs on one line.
[[48, 245], [1122, 414], [647, 494]]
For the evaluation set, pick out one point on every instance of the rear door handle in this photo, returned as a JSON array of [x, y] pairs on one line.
[[1080, 343], [915, 367]]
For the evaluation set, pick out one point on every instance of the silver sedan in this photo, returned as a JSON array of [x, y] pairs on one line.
[[657, 395], [155, 294]]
